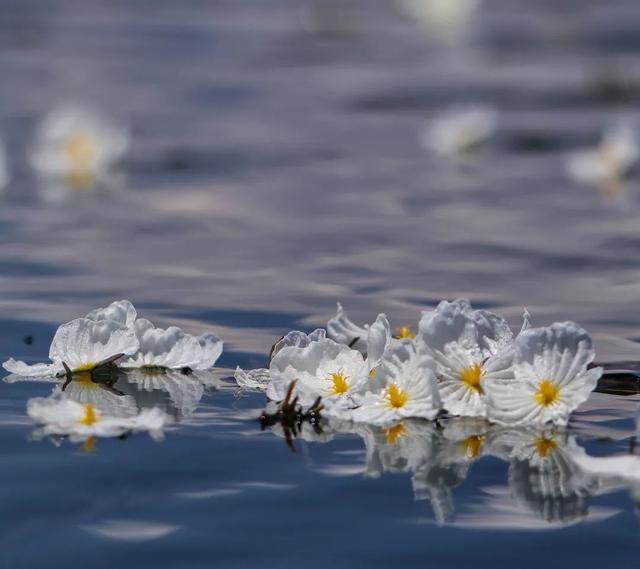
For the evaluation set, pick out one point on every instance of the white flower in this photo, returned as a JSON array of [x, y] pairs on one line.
[[403, 386], [172, 348], [551, 377], [610, 161], [82, 345], [61, 416], [78, 148], [322, 369], [459, 132], [371, 340], [446, 21], [469, 347]]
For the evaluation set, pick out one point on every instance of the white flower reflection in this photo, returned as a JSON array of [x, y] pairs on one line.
[[59, 415], [77, 149]]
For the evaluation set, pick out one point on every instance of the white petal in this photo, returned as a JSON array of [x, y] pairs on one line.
[[378, 338], [211, 350], [121, 311], [22, 370], [253, 379], [342, 330]]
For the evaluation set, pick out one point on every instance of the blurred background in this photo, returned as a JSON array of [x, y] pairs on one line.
[[286, 154]]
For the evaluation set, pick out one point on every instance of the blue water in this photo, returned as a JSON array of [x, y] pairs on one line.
[[275, 168]]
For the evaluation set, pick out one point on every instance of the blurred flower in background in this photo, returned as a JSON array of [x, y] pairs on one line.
[[4, 166], [444, 21], [77, 149], [606, 165], [460, 133]]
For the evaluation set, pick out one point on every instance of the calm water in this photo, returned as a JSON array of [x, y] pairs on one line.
[[276, 169]]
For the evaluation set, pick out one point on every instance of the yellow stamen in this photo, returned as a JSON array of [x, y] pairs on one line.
[[80, 148], [90, 416], [471, 376], [548, 393], [394, 433], [405, 332], [89, 444], [340, 383], [545, 446], [471, 446], [372, 373], [396, 397]]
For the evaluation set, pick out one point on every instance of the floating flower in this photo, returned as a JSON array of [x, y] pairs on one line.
[[172, 348], [322, 369], [404, 386], [61, 416], [551, 377], [609, 162], [470, 347], [371, 340], [460, 132], [82, 345], [77, 148]]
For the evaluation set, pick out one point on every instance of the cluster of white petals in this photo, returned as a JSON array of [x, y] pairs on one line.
[[462, 362]]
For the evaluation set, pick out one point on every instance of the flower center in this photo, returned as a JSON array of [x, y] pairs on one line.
[[90, 416], [396, 397], [80, 148], [405, 332], [548, 393], [394, 433], [545, 446], [471, 376], [471, 446], [340, 383]]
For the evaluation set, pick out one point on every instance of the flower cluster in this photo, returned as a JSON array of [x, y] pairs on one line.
[[108, 347], [462, 361]]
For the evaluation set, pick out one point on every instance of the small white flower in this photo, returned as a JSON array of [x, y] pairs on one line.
[[446, 21], [460, 132], [61, 416], [551, 377], [403, 387], [370, 340], [77, 148], [469, 347], [322, 369], [610, 161], [172, 348]]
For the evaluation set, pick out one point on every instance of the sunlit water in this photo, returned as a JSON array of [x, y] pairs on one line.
[[275, 169]]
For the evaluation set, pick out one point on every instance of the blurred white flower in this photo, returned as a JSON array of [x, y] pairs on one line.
[[551, 377], [609, 162], [403, 386], [4, 166], [172, 348], [459, 133], [469, 347], [77, 148], [446, 21], [59, 415]]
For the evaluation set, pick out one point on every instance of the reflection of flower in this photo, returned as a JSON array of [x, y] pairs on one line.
[[102, 396], [172, 348], [403, 387], [609, 162], [77, 148], [543, 477], [470, 347], [460, 132], [61, 416], [551, 377]]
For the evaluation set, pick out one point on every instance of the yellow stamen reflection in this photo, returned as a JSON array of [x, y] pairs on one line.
[[340, 383], [80, 148], [394, 433], [90, 444], [471, 376], [545, 446], [372, 373], [90, 417], [472, 446], [548, 393], [405, 332]]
